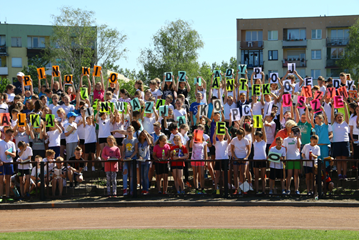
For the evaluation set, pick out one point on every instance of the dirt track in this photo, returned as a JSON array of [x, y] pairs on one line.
[[322, 218]]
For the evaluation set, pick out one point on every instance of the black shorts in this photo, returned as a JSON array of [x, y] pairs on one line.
[[24, 172], [38, 152], [212, 151], [340, 149], [119, 141], [307, 169], [220, 166], [161, 168], [259, 164], [90, 148], [63, 142], [275, 173], [82, 141], [102, 140], [176, 167]]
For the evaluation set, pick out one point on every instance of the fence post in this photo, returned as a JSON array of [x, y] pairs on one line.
[[225, 178], [134, 177], [319, 179], [42, 179]]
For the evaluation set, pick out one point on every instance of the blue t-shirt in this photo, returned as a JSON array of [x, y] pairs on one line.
[[210, 109], [323, 133], [194, 110]]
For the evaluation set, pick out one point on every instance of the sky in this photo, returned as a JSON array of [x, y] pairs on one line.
[[215, 21]]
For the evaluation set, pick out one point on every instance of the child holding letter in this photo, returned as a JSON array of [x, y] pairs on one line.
[[310, 151], [260, 145], [276, 168]]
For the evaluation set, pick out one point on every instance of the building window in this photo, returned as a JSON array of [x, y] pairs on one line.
[[272, 35], [253, 58], [316, 54], [254, 36], [16, 42], [16, 62], [36, 42], [316, 33], [296, 34], [315, 73], [336, 53], [2, 40], [273, 55]]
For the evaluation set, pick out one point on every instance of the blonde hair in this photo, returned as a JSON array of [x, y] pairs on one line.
[[179, 140], [290, 124], [60, 159], [60, 110], [113, 139]]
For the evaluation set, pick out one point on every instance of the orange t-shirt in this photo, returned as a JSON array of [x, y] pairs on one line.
[[282, 133]]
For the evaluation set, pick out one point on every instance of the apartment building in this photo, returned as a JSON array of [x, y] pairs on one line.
[[313, 43], [18, 44]]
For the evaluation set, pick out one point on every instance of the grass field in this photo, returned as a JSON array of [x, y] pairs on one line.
[[184, 234]]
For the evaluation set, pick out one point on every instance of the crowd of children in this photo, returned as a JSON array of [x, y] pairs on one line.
[[285, 124]]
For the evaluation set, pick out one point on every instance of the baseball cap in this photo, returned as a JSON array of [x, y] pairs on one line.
[[20, 74], [71, 114]]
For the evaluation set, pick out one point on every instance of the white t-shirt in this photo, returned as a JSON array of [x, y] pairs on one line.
[[148, 123], [353, 122], [80, 127], [4, 108], [50, 165], [292, 149], [323, 89], [5, 146], [54, 138], [257, 108], [204, 95], [260, 150], [73, 137], [156, 93], [221, 150], [90, 134], [282, 152], [270, 131], [27, 153], [340, 132], [104, 128], [240, 149], [328, 110], [215, 93], [315, 150], [117, 126], [142, 94], [54, 109], [184, 141], [69, 108], [266, 108], [227, 110], [10, 97], [179, 113], [249, 138]]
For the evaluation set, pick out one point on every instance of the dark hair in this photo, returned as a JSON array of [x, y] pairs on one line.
[[353, 105], [172, 127], [247, 127], [240, 131], [136, 125], [315, 137], [37, 106], [21, 144]]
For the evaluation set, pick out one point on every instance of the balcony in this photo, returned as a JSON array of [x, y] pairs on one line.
[[3, 51], [331, 63], [4, 71], [252, 65], [252, 45], [299, 62], [337, 41], [294, 43], [32, 52]]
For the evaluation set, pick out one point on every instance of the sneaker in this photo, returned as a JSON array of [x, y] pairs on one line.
[[145, 193], [270, 192], [98, 159], [159, 192], [334, 168], [0, 200], [85, 169], [309, 193], [9, 199], [297, 192], [125, 192], [183, 192], [93, 168], [188, 184], [164, 193], [204, 191], [340, 177], [239, 192], [218, 191], [250, 187], [345, 178], [235, 192], [178, 192], [284, 192], [288, 192], [197, 191], [138, 185]]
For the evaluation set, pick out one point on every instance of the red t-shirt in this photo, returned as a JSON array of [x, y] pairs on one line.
[[158, 151], [176, 150]]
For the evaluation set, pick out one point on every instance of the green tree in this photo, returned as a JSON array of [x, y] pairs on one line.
[[3, 84], [77, 41], [31, 69], [350, 60], [175, 48]]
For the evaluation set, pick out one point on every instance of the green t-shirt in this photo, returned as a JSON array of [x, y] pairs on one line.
[[305, 130]]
